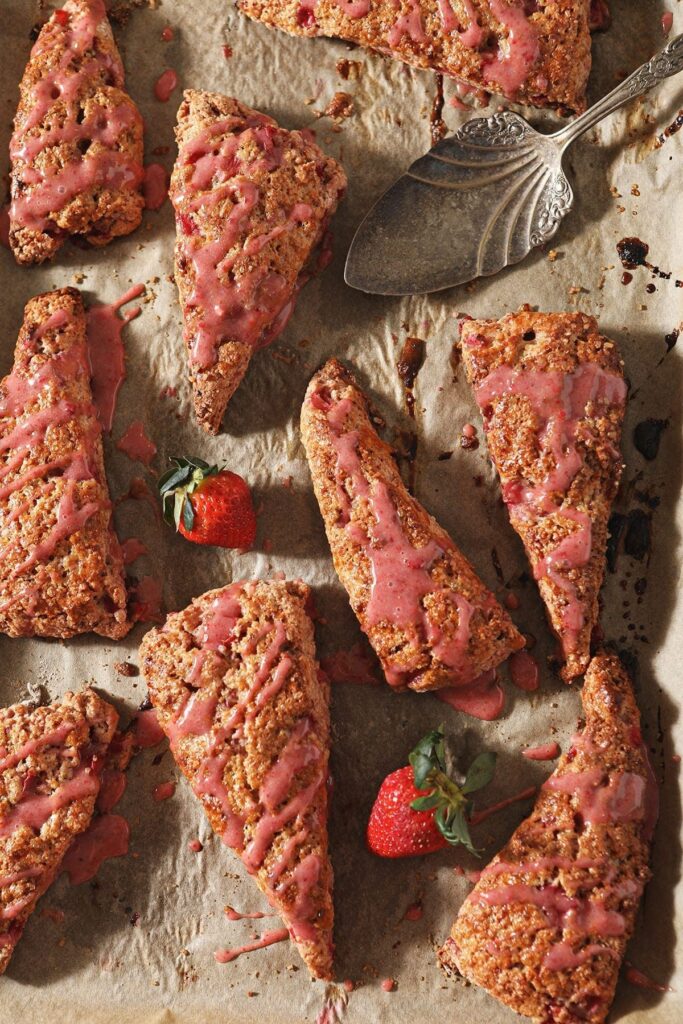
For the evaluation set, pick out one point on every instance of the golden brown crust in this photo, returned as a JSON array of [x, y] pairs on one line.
[[551, 46], [75, 733], [61, 568], [525, 451], [577, 874], [270, 174], [456, 602], [258, 706], [77, 144]]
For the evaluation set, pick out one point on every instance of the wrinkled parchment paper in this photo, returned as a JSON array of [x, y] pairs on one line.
[[137, 944]]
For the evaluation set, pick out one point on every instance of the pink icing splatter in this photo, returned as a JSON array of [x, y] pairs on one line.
[[165, 85], [546, 752], [147, 731], [164, 791], [483, 698], [523, 671], [155, 186], [136, 444], [106, 352]]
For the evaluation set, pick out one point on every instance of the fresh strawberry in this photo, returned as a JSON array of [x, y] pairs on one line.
[[207, 504], [420, 809]]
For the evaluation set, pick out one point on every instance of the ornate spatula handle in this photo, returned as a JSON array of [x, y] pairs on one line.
[[664, 64]]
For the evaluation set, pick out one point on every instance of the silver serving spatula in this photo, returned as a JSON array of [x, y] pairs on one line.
[[480, 199]]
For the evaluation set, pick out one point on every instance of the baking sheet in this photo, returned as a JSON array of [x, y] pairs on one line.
[[137, 944]]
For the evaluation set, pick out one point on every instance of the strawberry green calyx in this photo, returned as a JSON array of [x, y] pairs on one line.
[[449, 800], [176, 486]]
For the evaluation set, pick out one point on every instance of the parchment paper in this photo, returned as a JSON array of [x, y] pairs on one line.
[[137, 944]]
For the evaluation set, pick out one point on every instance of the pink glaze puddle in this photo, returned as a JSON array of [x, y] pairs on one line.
[[50, 187], [619, 798], [147, 731], [145, 605], [667, 25], [164, 791], [546, 752], [352, 666], [561, 957], [136, 444], [414, 912], [388, 985], [167, 34], [106, 352], [132, 549], [155, 186], [332, 1010], [165, 85], [140, 491], [107, 837], [225, 956], [486, 812], [195, 846], [523, 671], [483, 698]]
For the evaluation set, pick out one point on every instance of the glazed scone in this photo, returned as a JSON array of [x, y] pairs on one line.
[[238, 692], [61, 567], [76, 150], [252, 203], [50, 758], [430, 619], [545, 928], [552, 394], [538, 53]]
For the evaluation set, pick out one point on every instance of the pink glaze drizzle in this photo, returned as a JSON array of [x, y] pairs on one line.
[[136, 444], [560, 402], [409, 24], [106, 352], [619, 797], [250, 308], [519, 51], [224, 956], [49, 188], [470, 36], [400, 572], [35, 809], [34, 746]]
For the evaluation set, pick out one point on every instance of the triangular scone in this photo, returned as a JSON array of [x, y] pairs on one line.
[[50, 759], [252, 202], [430, 619], [61, 568], [537, 53], [545, 928], [76, 151], [238, 692], [552, 394]]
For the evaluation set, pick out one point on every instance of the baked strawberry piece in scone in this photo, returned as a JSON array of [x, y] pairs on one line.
[[252, 203], [50, 762], [238, 692], [545, 928], [536, 52], [61, 567], [76, 151], [552, 394], [430, 619]]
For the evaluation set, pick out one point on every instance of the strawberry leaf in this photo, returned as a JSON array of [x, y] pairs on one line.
[[426, 803], [429, 755], [177, 484], [480, 772]]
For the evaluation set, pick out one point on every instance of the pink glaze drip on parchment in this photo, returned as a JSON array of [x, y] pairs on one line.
[[545, 752], [224, 956], [54, 186], [106, 352], [107, 836]]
